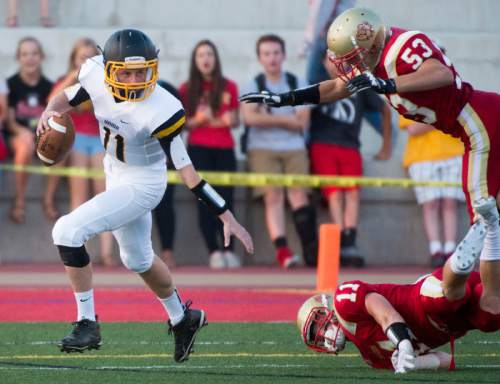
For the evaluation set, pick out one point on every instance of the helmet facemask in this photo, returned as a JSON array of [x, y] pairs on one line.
[[131, 91], [355, 62], [322, 333]]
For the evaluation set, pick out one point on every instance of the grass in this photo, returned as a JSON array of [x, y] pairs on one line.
[[225, 353]]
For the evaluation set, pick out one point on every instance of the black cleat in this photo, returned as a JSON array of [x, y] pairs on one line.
[[86, 335], [185, 332]]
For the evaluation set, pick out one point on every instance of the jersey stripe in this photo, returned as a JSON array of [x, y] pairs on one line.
[[478, 154], [170, 126], [393, 53], [432, 287]]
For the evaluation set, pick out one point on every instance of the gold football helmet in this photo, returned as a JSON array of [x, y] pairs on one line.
[[355, 41], [318, 325]]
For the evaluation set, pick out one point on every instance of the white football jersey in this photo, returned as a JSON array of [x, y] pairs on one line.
[[128, 130]]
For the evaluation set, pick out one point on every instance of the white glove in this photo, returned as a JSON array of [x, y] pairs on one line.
[[403, 358]]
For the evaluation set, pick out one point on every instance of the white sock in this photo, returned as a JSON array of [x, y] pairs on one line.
[[491, 249], [173, 306], [85, 305], [435, 246], [449, 247]]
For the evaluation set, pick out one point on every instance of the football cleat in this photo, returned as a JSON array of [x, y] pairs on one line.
[[487, 209], [468, 250], [185, 332], [86, 335]]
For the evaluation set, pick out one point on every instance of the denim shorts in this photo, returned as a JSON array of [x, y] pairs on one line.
[[87, 144]]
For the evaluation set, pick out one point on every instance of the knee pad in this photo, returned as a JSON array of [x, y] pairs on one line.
[[63, 233], [136, 258], [76, 257]]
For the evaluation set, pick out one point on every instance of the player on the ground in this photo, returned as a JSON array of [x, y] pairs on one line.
[[398, 326], [422, 84], [139, 125]]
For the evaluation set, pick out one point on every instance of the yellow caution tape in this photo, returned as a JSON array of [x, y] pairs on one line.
[[249, 179]]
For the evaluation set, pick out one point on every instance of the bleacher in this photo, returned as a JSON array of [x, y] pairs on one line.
[[390, 230]]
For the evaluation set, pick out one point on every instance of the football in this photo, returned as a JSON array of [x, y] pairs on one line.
[[54, 144]]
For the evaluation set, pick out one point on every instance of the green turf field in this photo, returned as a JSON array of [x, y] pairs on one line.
[[225, 353]]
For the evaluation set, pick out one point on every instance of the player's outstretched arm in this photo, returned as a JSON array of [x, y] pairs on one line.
[[396, 330], [217, 205], [324, 92]]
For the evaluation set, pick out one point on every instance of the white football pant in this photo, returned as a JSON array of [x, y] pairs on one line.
[[124, 208]]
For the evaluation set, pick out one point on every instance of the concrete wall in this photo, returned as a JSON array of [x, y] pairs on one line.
[[390, 223], [468, 28]]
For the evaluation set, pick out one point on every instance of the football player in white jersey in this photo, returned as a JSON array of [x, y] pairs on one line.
[[139, 125]]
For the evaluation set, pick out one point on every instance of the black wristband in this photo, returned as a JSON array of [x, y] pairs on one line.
[[308, 95], [397, 332], [210, 197]]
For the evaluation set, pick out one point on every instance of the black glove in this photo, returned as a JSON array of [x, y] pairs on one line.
[[368, 81], [268, 98]]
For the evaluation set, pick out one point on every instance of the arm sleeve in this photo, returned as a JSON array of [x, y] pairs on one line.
[[176, 152], [76, 94]]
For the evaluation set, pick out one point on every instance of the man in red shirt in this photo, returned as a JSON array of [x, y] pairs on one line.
[[422, 84]]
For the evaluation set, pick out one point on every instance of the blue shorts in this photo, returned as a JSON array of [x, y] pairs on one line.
[[87, 144]]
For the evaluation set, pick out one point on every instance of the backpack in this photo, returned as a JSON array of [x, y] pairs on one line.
[[260, 80]]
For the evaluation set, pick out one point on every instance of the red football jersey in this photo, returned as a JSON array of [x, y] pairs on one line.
[[404, 53], [431, 318]]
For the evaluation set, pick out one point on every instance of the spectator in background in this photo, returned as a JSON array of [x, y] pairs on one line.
[[45, 20], [28, 92], [431, 155], [164, 212], [3, 117], [334, 150], [321, 15], [87, 151], [211, 103], [276, 144]]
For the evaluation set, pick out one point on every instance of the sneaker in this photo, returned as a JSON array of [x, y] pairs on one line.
[[185, 332], [438, 259], [350, 256], [86, 335], [232, 260], [469, 249], [217, 260], [286, 258]]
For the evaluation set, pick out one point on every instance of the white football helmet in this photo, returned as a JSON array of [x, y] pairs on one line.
[[318, 325]]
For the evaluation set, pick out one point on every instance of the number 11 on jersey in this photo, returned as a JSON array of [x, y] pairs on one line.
[[119, 145], [347, 296]]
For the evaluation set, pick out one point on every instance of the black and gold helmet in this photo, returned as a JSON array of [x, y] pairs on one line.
[[355, 42], [130, 49]]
